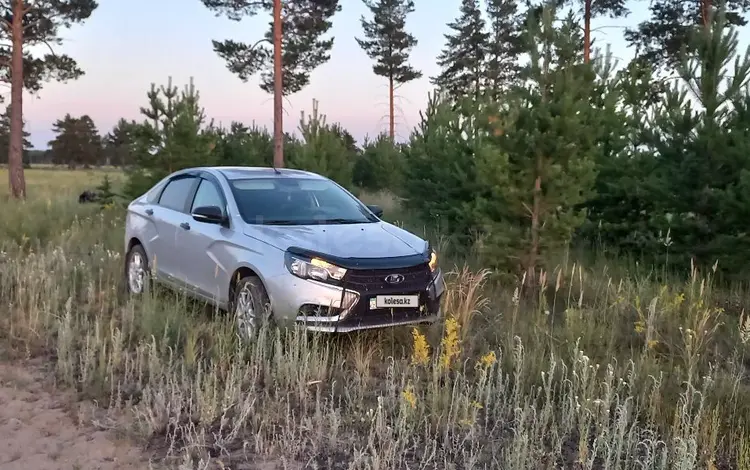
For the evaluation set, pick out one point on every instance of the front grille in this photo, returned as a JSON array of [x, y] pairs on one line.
[[416, 278], [362, 316]]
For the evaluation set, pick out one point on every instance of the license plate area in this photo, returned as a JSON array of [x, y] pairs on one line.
[[394, 301]]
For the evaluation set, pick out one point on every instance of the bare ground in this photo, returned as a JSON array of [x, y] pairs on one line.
[[38, 429]]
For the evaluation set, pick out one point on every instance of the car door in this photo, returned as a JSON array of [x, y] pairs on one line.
[[168, 213], [204, 257]]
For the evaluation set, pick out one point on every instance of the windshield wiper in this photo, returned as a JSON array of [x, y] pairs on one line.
[[340, 221], [280, 222]]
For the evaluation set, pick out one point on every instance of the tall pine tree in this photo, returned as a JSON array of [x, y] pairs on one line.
[[388, 44], [463, 56], [660, 39], [592, 9], [304, 45], [77, 142], [27, 24], [504, 45], [295, 51]]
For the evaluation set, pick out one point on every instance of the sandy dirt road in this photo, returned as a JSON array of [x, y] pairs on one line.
[[39, 432]]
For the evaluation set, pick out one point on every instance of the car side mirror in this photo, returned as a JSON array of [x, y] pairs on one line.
[[375, 209], [209, 215]]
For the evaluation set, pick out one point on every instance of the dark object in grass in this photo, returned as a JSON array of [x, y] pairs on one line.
[[88, 196]]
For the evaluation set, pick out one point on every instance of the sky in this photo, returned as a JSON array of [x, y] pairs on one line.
[[126, 45]]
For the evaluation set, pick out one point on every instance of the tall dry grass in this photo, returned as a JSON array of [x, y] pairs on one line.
[[591, 371]]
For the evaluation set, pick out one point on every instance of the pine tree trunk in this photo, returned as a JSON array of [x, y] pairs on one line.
[[15, 151], [391, 117], [705, 9], [535, 216], [587, 32], [477, 84], [278, 95]]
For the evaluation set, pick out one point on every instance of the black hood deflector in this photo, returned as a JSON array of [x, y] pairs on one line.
[[365, 263]]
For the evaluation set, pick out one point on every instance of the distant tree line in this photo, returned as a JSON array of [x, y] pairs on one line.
[[481, 56], [77, 144]]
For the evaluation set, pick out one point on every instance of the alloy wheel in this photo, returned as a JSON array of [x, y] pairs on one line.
[[244, 312], [136, 273]]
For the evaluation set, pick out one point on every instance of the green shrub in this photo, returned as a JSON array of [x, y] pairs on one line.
[[380, 165], [322, 150], [440, 180]]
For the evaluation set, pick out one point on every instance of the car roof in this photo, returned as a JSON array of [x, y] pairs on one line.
[[245, 172]]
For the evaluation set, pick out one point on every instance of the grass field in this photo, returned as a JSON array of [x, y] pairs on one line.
[[598, 369]]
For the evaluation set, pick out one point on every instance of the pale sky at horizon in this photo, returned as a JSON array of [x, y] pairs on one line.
[[122, 54]]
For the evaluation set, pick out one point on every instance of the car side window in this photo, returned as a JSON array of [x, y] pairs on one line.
[[175, 195], [153, 195], [208, 195]]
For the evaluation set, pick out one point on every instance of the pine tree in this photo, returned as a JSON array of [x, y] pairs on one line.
[[322, 150], [77, 142], [702, 157], [5, 138], [441, 181], [173, 136], [28, 24], [105, 192], [591, 9], [463, 56], [380, 165], [547, 138], [296, 49], [504, 45], [389, 45], [304, 46], [118, 143], [660, 39]]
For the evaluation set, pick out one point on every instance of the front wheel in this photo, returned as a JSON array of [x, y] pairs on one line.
[[250, 307], [136, 270]]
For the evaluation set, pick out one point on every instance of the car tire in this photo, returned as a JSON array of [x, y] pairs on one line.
[[137, 271], [250, 307]]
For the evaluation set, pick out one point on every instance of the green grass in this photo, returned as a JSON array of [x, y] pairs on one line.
[[586, 370]]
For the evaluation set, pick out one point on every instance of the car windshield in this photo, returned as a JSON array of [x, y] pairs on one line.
[[297, 201]]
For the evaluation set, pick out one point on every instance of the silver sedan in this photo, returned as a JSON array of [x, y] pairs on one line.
[[280, 245]]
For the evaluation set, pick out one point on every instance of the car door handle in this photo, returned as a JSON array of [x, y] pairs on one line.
[[185, 225], [149, 212]]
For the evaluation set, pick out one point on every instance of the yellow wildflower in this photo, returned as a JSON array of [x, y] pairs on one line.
[[409, 397], [449, 343], [421, 350], [467, 422], [488, 359]]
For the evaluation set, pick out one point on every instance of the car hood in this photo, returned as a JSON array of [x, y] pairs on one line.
[[369, 240]]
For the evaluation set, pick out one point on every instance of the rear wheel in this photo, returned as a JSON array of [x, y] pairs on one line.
[[136, 270], [250, 307]]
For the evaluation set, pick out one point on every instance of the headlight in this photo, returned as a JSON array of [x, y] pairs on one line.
[[314, 268], [433, 261]]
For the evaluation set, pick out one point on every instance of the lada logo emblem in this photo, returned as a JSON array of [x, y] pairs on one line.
[[394, 279]]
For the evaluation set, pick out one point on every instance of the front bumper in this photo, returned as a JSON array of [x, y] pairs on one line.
[[317, 306]]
